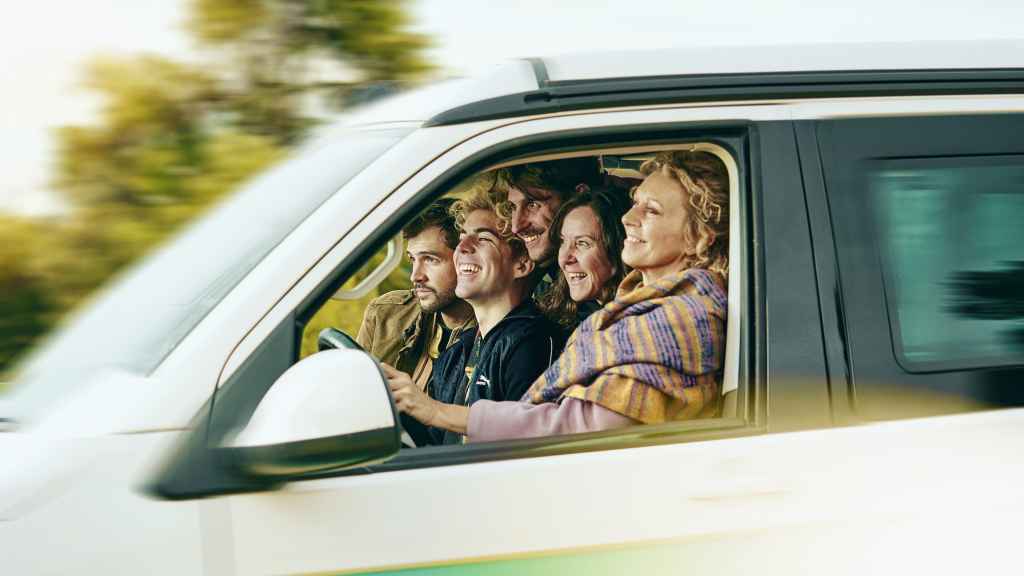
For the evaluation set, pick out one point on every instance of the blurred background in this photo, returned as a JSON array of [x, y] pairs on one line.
[[121, 120]]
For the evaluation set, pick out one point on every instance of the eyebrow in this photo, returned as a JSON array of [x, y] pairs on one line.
[[483, 229], [578, 236], [647, 198], [532, 194], [423, 253]]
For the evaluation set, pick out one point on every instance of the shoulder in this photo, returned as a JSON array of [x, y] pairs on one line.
[[704, 282], [392, 313], [707, 286], [395, 298], [527, 321], [697, 292], [529, 333]]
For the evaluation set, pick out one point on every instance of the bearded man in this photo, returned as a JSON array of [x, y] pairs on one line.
[[410, 329]]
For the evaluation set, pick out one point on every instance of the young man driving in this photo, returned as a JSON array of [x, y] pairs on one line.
[[513, 342]]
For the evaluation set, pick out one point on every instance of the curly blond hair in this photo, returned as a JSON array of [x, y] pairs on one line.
[[491, 198], [705, 181]]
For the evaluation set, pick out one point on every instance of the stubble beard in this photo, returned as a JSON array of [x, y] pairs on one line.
[[440, 302]]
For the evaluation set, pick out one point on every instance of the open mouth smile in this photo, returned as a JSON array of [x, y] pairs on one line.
[[531, 236]]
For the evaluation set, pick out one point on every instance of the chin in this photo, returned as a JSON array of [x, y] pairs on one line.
[[540, 255], [633, 263]]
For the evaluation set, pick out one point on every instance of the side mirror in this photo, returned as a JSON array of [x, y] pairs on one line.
[[331, 410]]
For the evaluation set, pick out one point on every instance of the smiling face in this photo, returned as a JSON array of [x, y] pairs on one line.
[[656, 242], [485, 265], [433, 269], [533, 209], [582, 255]]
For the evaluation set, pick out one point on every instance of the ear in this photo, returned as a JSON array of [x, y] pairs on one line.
[[523, 267]]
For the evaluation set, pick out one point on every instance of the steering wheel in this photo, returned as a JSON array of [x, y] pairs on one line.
[[332, 338]]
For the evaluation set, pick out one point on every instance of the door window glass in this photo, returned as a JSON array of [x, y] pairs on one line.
[[951, 234]]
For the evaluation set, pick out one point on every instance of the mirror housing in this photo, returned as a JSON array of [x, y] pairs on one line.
[[331, 410]]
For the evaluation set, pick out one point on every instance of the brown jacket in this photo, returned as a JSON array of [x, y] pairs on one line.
[[397, 332]]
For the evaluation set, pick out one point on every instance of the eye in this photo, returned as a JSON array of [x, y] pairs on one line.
[[533, 205], [583, 244]]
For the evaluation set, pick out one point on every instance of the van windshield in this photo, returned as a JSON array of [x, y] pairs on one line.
[[136, 322]]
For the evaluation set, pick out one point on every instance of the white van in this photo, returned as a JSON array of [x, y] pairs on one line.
[[876, 208]]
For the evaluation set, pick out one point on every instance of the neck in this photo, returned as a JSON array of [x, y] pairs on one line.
[[490, 311], [652, 275], [457, 314], [545, 265]]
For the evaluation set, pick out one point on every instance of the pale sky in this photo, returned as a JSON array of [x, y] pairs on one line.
[[44, 42]]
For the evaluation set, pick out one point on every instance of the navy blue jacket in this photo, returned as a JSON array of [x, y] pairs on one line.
[[516, 351]]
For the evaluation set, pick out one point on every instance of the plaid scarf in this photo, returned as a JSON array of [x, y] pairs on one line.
[[653, 354]]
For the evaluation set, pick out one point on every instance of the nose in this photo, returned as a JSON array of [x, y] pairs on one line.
[[629, 218], [566, 255], [417, 275], [465, 245]]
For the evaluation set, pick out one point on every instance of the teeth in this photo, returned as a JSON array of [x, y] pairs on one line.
[[575, 276], [469, 269], [527, 238], [632, 240]]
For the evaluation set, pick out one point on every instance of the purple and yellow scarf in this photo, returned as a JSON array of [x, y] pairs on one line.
[[653, 354]]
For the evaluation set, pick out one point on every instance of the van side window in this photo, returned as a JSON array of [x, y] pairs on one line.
[[950, 232], [925, 215]]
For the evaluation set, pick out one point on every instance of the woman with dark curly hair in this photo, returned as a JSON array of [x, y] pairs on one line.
[[587, 233], [655, 352]]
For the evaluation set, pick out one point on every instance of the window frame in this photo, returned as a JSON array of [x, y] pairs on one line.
[[580, 143]]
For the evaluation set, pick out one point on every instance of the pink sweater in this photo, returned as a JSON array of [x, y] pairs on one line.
[[489, 420]]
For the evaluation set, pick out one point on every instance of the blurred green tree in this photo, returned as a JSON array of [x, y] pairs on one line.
[[286, 58], [172, 138], [26, 309], [157, 157]]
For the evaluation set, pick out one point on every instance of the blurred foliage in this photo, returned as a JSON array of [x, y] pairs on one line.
[[26, 311], [286, 55], [367, 35], [172, 138]]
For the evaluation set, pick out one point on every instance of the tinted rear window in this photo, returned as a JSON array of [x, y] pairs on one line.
[[952, 241]]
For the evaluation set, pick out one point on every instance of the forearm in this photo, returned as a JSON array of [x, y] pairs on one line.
[[451, 417], [490, 421]]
